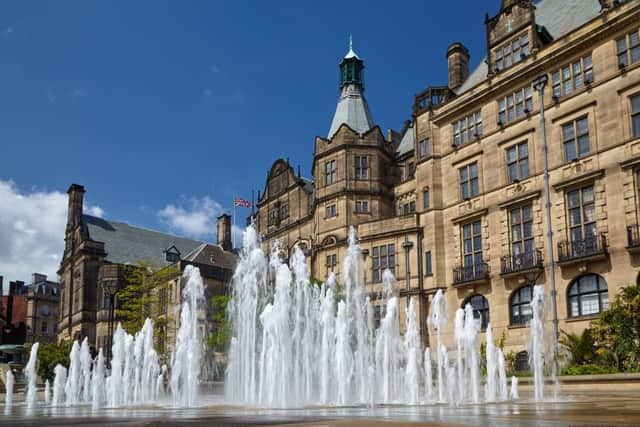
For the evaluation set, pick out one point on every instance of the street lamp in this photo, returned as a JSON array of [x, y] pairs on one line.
[[539, 85], [110, 288]]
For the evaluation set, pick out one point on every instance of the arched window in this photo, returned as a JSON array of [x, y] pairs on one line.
[[520, 310], [480, 307], [588, 294]]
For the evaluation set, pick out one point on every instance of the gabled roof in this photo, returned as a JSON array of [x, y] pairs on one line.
[[126, 244], [352, 110], [559, 17], [212, 255]]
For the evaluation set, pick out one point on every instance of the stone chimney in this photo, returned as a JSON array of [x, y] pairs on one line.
[[76, 200], [458, 59], [224, 232]]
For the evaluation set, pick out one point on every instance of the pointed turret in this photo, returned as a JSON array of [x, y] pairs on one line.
[[352, 108]]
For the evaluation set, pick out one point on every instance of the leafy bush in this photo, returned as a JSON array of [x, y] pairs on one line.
[[581, 347], [588, 369]]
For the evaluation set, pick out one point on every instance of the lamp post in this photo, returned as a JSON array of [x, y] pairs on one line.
[[539, 84], [110, 288]]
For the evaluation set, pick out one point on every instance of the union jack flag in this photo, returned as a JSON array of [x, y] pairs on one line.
[[242, 202]]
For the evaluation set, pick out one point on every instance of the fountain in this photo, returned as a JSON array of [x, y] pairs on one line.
[[185, 367], [8, 398], [31, 377], [536, 358], [59, 381]]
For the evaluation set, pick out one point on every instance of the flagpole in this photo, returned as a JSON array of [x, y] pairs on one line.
[[233, 236]]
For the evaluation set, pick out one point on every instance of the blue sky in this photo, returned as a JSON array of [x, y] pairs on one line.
[[154, 105]]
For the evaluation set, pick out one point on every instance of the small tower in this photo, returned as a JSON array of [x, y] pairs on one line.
[[224, 232], [352, 108], [76, 200]]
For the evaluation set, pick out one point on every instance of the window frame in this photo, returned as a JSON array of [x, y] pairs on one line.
[[330, 172], [428, 264], [467, 180], [580, 297], [584, 225], [520, 162], [475, 251], [360, 204], [522, 318], [361, 165], [635, 115], [572, 77], [426, 199], [382, 257], [424, 148], [467, 129], [524, 241], [513, 52], [626, 48], [574, 140], [331, 210], [515, 105]]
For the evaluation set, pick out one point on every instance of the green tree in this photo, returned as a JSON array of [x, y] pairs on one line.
[[139, 298], [51, 354], [220, 331], [616, 333]]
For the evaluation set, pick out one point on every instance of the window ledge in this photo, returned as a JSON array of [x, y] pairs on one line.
[[582, 318], [517, 326]]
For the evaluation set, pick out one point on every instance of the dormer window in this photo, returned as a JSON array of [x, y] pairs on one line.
[[512, 53], [172, 255]]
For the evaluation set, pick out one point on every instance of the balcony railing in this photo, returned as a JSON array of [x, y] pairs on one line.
[[633, 236], [472, 273], [583, 248], [521, 262]]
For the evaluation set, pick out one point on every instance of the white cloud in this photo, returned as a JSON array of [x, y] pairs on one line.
[[94, 211], [192, 216], [32, 226]]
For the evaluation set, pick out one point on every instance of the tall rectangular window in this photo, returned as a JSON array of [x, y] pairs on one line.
[[468, 129], [284, 211], [362, 167], [628, 49], [426, 202], [330, 175], [582, 214], [518, 162], [572, 77], [331, 211], [362, 206], [521, 222], [635, 116], [384, 257], [515, 105], [469, 186], [424, 148], [472, 244], [332, 261], [428, 268], [575, 138]]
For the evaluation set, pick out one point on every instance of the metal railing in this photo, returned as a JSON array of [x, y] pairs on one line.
[[582, 248], [520, 262], [470, 273]]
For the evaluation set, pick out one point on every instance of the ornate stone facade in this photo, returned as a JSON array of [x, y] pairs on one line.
[[463, 181]]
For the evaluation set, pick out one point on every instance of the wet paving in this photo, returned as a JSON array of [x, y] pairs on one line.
[[586, 409]]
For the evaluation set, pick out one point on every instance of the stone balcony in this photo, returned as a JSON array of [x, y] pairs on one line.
[[519, 264], [592, 248], [633, 238], [471, 274]]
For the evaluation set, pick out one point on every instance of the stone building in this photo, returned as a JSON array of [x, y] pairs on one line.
[[456, 199], [43, 297], [99, 252]]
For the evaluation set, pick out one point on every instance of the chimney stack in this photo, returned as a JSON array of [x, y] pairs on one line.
[[37, 278], [76, 200], [458, 60], [224, 232]]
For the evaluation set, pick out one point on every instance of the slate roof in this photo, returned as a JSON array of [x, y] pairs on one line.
[[559, 17], [353, 110], [407, 142], [126, 244], [213, 255]]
